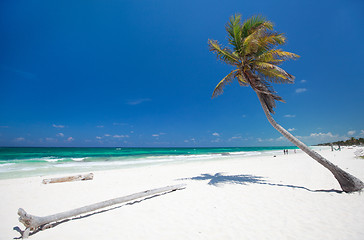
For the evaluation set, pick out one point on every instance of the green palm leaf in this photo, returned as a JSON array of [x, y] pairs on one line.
[[219, 89], [224, 54]]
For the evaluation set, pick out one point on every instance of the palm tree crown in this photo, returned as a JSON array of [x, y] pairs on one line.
[[255, 56]]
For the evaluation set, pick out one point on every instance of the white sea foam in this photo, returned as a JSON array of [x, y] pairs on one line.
[[4, 165], [78, 159], [50, 159]]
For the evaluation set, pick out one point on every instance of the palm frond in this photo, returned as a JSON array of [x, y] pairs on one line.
[[224, 54], [273, 73], [254, 23], [219, 89], [241, 79], [262, 40], [275, 56], [233, 27], [266, 91]]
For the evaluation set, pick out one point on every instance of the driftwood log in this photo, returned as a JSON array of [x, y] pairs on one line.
[[33, 223], [88, 176]]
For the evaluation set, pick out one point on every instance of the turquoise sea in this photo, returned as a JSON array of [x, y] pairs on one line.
[[25, 162]]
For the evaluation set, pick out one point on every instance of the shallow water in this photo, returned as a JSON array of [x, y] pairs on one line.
[[25, 162]]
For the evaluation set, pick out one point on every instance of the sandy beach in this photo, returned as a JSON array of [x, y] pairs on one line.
[[261, 197]]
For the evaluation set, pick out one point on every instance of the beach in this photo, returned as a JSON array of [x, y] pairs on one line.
[[272, 196]]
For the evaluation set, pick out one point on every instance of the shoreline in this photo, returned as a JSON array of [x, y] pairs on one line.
[[45, 162], [259, 197]]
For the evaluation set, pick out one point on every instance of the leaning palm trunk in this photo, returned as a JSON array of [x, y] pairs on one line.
[[348, 182]]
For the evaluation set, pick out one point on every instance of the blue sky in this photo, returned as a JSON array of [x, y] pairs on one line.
[[139, 73]]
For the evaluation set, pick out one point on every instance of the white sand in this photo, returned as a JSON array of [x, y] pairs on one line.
[[252, 198]]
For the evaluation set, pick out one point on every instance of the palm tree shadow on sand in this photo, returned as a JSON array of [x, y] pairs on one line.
[[244, 179]]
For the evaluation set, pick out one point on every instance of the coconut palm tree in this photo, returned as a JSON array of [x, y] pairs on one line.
[[256, 59]]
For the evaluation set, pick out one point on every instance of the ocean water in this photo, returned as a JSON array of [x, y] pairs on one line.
[[25, 162]]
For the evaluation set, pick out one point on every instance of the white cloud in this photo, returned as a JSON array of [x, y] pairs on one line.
[[121, 136], [98, 137], [60, 135], [301, 90], [138, 101], [107, 135], [281, 138], [320, 137], [313, 138], [100, 126], [19, 139], [303, 81], [289, 116], [235, 137], [119, 124], [57, 126], [51, 140], [70, 139], [155, 135], [361, 132], [291, 129], [216, 134], [329, 134], [351, 133]]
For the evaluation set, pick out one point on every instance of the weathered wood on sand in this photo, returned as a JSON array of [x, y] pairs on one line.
[[88, 176], [32, 223]]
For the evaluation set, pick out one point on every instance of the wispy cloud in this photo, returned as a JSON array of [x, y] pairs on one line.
[[234, 138], [51, 139], [100, 126], [19, 139], [138, 101], [18, 72], [322, 137], [57, 126], [351, 133], [301, 90], [60, 135], [70, 139], [119, 124], [291, 129], [303, 81], [216, 134], [289, 116], [120, 136], [361, 132], [158, 134]]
